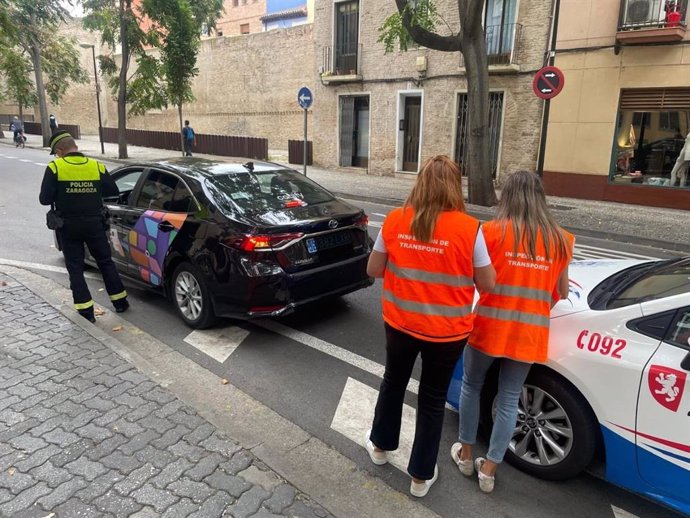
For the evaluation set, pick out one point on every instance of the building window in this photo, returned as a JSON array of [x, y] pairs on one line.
[[244, 28], [234, 3], [495, 123], [346, 37], [652, 141]]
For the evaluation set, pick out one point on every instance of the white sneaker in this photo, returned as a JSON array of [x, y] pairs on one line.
[[486, 482], [420, 490], [377, 457], [466, 467]]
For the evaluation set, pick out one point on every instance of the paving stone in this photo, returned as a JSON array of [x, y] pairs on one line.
[[169, 409], [40, 412], [15, 482], [158, 499], [50, 424], [60, 437], [249, 503], [75, 508], [171, 473], [96, 433], [24, 499], [18, 429], [30, 402], [204, 467], [62, 493], [136, 479], [131, 401], [106, 447], [113, 503], [154, 456], [282, 497], [100, 486], [5, 495], [146, 512], [197, 491], [110, 416], [255, 476], [37, 458], [88, 469], [98, 403], [239, 462], [200, 433], [221, 444], [72, 452], [214, 506], [229, 483], [184, 449], [22, 391], [170, 437], [143, 411], [303, 511], [139, 442], [32, 512], [191, 421], [123, 463], [134, 376], [160, 396], [181, 509], [10, 417], [118, 389], [126, 428], [51, 474], [27, 443], [84, 418]]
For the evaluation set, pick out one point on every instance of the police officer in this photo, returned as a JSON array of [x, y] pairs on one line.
[[75, 185]]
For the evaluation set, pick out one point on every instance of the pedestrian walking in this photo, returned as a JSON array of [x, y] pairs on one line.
[[53, 123], [430, 254], [530, 253], [74, 186], [17, 129], [189, 138]]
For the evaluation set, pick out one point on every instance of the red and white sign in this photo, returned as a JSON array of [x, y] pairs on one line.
[[548, 82], [666, 386]]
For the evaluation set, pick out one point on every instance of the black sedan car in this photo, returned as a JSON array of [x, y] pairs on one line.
[[235, 239]]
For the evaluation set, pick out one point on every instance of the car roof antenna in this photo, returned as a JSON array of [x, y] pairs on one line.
[[249, 166]]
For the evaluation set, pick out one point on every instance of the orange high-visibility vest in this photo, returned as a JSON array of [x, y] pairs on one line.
[[428, 287], [512, 320]]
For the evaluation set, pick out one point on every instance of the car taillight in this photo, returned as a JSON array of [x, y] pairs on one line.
[[362, 222], [261, 242]]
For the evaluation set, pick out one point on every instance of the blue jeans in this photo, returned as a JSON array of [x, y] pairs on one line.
[[510, 380]]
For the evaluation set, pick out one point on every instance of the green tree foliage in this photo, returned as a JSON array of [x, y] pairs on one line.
[[31, 44], [419, 21]]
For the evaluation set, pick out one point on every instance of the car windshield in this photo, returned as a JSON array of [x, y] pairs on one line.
[[664, 279], [263, 191]]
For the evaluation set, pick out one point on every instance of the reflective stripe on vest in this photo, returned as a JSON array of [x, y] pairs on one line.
[[514, 316], [520, 291], [426, 308], [412, 274]]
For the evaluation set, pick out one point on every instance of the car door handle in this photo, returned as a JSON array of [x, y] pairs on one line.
[[164, 226]]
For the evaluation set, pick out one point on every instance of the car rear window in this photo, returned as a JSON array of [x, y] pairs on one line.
[[262, 191]]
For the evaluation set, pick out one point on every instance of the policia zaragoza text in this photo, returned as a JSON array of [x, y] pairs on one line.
[[73, 185]]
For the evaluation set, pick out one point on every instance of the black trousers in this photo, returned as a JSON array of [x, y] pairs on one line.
[[88, 231], [438, 364]]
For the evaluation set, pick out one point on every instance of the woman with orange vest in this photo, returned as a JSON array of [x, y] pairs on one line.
[[431, 254], [531, 254]]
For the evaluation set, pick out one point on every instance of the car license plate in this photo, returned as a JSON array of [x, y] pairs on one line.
[[314, 244]]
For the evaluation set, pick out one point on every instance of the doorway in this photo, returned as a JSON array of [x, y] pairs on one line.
[[409, 131], [354, 131]]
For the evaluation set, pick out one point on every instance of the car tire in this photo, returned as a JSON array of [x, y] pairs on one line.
[[569, 414], [191, 297]]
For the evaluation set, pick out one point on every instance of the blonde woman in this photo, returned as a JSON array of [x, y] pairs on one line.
[[530, 253], [430, 254]]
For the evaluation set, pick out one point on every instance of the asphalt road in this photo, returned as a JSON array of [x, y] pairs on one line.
[[319, 368]]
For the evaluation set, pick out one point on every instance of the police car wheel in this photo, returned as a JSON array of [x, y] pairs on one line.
[[191, 297], [555, 435]]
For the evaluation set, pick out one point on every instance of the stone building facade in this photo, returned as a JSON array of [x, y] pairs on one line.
[[387, 113]]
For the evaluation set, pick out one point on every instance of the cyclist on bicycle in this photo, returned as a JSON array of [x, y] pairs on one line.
[[17, 127]]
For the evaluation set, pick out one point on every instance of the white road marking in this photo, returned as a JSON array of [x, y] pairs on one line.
[[219, 344], [378, 214], [8, 156], [377, 224], [341, 354], [45, 267], [355, 413], [597, 252], [24, 160], [39, 163], [621, 513]]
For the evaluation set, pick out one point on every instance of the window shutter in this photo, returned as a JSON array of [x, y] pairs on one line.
[[655, 99]]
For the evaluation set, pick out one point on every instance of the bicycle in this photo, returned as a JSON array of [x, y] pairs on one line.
[[19, 139]]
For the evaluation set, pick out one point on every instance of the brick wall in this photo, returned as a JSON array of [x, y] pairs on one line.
[[245, 12]]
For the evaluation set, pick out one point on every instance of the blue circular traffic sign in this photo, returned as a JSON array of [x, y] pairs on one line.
[[305, 97]]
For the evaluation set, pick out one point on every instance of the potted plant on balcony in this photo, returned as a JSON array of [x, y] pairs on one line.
[[672, 13]]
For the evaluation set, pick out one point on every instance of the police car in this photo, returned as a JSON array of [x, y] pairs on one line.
[[616, 386]]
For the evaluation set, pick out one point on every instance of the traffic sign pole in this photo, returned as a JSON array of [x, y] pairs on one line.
[[305, 98], [305, 142]]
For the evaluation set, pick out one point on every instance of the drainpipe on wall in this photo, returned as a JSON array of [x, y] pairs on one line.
[[550, 58]]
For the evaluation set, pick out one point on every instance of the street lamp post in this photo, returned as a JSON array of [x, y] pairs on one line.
[[98, 95]]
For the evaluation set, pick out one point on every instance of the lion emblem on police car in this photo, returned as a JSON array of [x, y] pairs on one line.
[[666, 386]]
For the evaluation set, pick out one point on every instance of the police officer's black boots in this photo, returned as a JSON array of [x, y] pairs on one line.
[[121, 305], [88, 314]]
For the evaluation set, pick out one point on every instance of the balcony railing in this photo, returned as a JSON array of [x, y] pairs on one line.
[[502, 44], [341, 63], [652, 14]]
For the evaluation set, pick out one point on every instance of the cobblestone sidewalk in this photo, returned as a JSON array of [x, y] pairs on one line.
[[84, 434]]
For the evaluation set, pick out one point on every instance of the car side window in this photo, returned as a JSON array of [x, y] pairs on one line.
[[126, 183], [157, 191], [679, 331], [182, 201], [655, 326]]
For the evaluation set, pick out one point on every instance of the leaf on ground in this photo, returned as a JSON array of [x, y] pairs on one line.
[[3, 283], [118, 328], [11, 471], [99, 312], [101, 289], [224, 381]]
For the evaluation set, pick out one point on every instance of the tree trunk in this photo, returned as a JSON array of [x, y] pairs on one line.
[[122, 83], [478, 163], [35, 52], [179, 113]]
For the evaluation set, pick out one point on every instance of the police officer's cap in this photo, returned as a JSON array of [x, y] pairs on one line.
[[57, 137]]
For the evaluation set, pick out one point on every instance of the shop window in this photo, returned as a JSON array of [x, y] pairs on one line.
[[652, 142]]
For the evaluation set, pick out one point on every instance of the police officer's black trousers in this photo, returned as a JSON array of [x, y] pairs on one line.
[[89, 231]]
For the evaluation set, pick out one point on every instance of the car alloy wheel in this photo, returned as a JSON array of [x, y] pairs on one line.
[[188, 296], [543, 434]]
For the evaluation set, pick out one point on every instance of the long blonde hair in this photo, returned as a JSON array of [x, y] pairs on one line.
[[523, 206], [438, 188]]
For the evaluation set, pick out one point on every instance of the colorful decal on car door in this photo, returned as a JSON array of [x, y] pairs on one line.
[[148, 244], [667, 386]]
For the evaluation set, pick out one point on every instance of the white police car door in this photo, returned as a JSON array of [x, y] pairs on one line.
[[663, 416]]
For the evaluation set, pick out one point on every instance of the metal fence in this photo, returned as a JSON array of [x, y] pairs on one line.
[[342, 60], [222, 145], [34, 128], [296, 152], [502, 44], [639, 14]]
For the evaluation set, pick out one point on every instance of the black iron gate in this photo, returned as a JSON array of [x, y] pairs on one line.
[[495, 120]]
